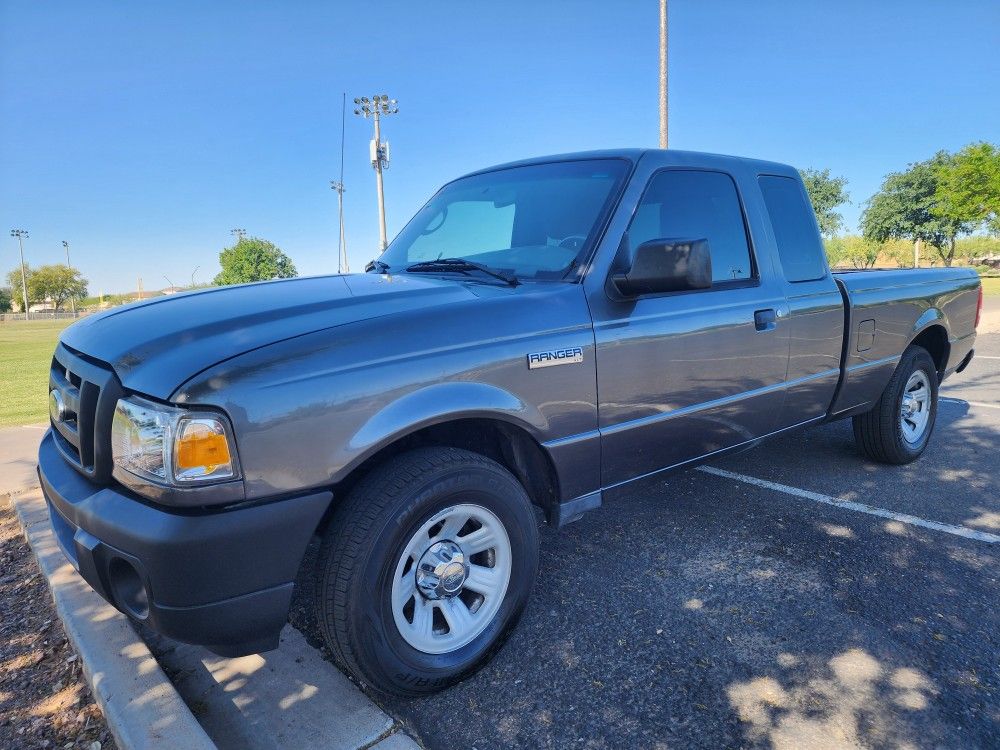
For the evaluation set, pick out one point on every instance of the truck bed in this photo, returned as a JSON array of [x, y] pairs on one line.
[[884, 308]]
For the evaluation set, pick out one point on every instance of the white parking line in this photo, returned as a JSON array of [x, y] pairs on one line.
[[816, 497], [983, 356], [962, 401]]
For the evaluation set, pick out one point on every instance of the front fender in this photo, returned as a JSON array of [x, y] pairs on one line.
[[434, 404]]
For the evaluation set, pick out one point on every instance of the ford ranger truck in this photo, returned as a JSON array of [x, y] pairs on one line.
[[539, 333]]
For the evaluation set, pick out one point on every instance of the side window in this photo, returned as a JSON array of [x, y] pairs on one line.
[[794, 227], [687, 204]]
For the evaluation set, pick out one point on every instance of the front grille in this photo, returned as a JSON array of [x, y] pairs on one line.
[[89, 391]]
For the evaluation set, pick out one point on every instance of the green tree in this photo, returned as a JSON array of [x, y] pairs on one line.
[[826, 194], [968, 188], [907, 208], [835, 250], [4, 299], [900, 252], [57, 284], [978, 246], [851, 249], [14, 282], [253, 259]]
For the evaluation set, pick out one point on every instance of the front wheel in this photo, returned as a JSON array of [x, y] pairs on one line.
[[426, 567], [899, 426]]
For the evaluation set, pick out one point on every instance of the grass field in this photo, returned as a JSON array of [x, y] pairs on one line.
[[991, 285], [25, 354]]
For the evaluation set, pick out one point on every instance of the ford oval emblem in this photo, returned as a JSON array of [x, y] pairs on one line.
[[57, 407]]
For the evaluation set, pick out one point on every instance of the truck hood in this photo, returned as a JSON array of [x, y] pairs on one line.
[[155, 346]]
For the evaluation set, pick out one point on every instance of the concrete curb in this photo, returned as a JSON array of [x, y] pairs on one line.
[[290, 697], [287, 698], [140, 704]]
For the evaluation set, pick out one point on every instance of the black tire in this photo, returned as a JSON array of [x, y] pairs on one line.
[[879, 432], [362, 547]]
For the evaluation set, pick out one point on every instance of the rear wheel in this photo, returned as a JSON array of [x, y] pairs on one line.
[[426, 567], [899, 426]]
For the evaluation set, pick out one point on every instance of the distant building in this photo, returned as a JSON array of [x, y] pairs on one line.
[[172, 290]]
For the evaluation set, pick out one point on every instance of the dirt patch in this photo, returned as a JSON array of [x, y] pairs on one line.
[[44, 699]]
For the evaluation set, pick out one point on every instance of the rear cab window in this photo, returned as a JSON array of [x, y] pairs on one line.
[[794, 227]]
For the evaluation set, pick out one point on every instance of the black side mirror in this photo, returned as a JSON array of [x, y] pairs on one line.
[[666, 265]]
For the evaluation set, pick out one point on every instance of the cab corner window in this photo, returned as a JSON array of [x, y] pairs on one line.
[[794, 227], [690, 204]]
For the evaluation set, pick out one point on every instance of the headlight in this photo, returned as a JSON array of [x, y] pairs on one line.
[[170, 445]]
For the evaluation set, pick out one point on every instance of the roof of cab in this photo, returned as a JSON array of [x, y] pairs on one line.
[[667, 157]]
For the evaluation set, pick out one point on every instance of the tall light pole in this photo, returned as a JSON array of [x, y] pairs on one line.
[[377, 106], [72, 299], [193, 273], [663, 73], [338, 185], [239, 234], [22, 235], [342, 266]]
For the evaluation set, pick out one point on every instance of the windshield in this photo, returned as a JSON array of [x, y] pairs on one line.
[[534, 222]]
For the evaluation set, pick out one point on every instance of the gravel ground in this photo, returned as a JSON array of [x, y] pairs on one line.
[[700, 612], [44, 699]]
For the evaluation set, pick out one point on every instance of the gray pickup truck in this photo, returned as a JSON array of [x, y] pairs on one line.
[[539, 333]]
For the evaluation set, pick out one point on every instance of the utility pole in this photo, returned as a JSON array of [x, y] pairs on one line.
[[22, 235], [377, 106], [342, 266], [338, 185], [663, 73], [72, 299]]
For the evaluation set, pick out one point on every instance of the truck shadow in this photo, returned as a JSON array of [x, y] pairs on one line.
[[954, 482], [695, 611]]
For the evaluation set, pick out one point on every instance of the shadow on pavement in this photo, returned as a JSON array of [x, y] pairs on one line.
[[695, 611]]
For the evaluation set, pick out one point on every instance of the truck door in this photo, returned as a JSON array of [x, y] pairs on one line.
[[815, 306], [685, 374]]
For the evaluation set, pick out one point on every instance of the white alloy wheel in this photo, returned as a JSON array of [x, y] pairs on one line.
[[451, 579], [915, 407]]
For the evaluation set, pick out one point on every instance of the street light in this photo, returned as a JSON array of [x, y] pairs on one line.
[[239, 234], [342, 266], [72, 299], [378, 106], [22, 235], [193, 273]]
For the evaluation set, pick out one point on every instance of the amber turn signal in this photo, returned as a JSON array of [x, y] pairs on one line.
[[202, 450]]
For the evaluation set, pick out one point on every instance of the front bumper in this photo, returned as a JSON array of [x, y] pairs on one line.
[[220, 579]]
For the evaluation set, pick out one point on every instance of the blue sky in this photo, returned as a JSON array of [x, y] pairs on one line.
[[142, 133]]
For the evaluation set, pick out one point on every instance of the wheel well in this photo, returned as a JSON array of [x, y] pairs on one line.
[[509, 445], [935, 340]]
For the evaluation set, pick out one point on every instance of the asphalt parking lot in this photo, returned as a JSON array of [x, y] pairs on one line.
[[702, 610]]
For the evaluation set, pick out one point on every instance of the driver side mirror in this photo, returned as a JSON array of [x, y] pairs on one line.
[[666, 265]]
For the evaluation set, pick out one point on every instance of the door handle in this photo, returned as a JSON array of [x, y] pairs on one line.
[[765, 320]]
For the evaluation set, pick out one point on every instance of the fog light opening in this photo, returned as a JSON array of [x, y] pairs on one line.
[[126, 585]]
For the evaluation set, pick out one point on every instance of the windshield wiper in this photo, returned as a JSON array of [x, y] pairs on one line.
[[461, 265], [379, 265]]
